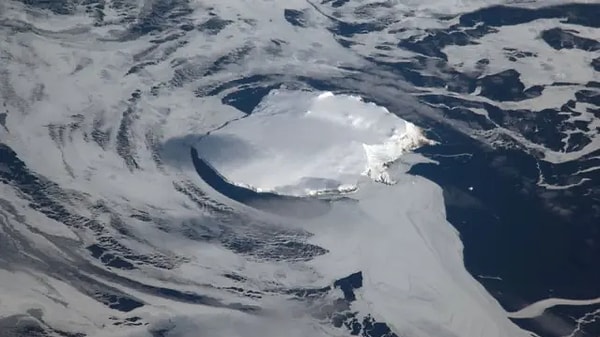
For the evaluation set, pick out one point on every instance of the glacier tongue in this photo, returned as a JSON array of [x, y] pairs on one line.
[[305, 143]]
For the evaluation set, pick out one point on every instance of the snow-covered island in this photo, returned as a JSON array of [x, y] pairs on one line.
[[307, 143]]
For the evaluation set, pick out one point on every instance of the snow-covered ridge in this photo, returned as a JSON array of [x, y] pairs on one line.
[[307, 143]]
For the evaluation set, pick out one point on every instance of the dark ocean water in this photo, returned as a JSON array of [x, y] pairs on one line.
[[510, 231], [540, 243], [508, 228]]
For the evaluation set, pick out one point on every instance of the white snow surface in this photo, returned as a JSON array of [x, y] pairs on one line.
[[306, 143]]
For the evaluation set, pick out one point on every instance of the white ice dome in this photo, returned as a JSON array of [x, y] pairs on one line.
[[306, 143]]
